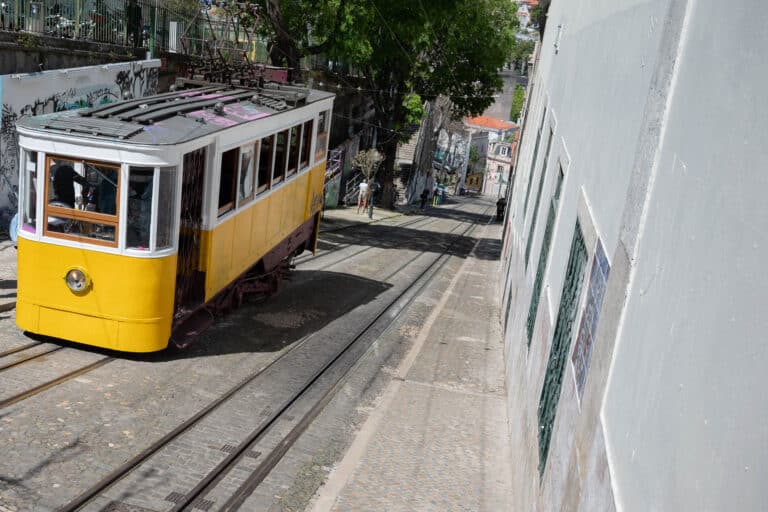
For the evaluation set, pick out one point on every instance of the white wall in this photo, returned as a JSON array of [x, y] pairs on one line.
[[25, 95], [656, 108], [686, 418]]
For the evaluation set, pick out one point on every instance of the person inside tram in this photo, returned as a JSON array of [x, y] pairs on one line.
[[107, 193], [64, 179]]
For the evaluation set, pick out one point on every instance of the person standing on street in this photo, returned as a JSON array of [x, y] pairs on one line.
[[424, 196], [372, 189], [362, 196]]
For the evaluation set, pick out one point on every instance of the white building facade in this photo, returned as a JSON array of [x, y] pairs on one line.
[[634, 291], [497, 169]]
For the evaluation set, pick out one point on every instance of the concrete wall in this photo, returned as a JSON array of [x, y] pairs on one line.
[[656, 109], [25, 95]]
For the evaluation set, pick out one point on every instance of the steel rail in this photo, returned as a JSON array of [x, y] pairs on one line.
[[55, 382], [19, 349], [28, 358], [116, 475], [225, 466]]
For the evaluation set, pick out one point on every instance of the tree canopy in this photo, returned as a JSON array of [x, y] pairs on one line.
[[409, 51]]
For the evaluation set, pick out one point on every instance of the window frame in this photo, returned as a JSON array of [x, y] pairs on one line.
[[267, 185], [252, 148], [28, 184], [322, 134], [293, 159], [279, 178], [222, 210], [308, 128], [81, 215]]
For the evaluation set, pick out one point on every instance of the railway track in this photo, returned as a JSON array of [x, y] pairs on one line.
[[14, 350], [297, 391], [339, 247], [23, 358], [20, 358], [48, 384]]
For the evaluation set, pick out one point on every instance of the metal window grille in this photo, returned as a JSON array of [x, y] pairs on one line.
[[598, 281], [561, 343], [533, 162], [529, 243], [543, 257]]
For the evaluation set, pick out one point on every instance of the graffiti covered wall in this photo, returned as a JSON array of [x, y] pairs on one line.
[[26, 95]]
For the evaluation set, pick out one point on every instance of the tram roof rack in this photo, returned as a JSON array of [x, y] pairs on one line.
[[177, 116]]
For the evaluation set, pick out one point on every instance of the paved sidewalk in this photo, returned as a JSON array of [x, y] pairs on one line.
[[437, 437], [343, 217], [7, 275]]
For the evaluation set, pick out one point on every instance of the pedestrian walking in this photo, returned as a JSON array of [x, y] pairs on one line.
[[424, 197], [362, 196]]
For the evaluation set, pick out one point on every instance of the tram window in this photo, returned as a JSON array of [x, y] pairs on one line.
[[306, 143], [293, 156], [82, 200], [166, 202], [265, 161], [139, 207], [245, 193], [228, 181], [66, 183], [30, 191], [102, 181], [281, 148], [322, 135]]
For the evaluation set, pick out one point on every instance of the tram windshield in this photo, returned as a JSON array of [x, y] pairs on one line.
[[83, 202]]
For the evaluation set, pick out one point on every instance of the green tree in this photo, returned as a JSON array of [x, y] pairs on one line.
[[518, 98], [409, 52], [523, 50]]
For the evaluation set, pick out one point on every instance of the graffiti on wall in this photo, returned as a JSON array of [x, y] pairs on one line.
[[35, 94]]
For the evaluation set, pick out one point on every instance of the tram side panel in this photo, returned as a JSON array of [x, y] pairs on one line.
[[117, 311], [243, 239]]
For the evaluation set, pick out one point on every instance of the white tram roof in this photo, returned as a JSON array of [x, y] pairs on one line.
[[175, 117]]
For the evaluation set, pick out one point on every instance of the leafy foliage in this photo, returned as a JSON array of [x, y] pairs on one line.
[[523, 50], [368, 161], [409, 51], [518, 99]]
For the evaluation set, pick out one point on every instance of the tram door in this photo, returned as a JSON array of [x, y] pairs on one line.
[[190, 281]]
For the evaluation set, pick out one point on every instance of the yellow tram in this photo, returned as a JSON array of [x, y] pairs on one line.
[[137, 213]]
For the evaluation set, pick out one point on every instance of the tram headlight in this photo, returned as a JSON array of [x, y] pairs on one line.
[[77, 280]]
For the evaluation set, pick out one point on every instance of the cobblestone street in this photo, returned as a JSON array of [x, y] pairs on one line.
[[433, 379]]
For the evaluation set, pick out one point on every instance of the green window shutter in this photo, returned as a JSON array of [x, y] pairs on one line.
[[543, 256], [538, 198], [533, 162], [561, 343]]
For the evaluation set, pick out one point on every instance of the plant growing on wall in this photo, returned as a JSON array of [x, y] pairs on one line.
[[518, 99]]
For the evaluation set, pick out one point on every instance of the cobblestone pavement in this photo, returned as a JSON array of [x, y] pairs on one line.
[[59, 442], [436, 436], [421, 423]]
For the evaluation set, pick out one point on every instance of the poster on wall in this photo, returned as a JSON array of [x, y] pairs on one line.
[[27, 95]]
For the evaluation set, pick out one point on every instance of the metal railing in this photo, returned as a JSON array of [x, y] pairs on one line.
[[133, 23]]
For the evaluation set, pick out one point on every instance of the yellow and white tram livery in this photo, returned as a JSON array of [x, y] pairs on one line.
[[134, 213]]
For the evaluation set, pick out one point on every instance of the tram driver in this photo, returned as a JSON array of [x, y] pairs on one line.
[[64, 177]]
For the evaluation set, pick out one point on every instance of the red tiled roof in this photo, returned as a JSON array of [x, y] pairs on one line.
[[489, 123]]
